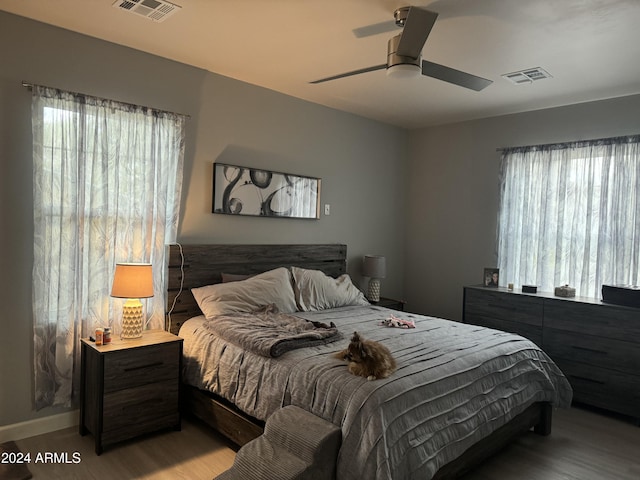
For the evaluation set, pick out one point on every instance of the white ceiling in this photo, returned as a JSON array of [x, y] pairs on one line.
[[590, 47]]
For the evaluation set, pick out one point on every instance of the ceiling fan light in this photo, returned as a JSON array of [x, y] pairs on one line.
[[403, 71]]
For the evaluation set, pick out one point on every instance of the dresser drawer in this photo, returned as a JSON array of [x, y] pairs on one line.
[[597, 351], [141, 366], [593, 319], [603, 388], [503, 306], [526, 330]]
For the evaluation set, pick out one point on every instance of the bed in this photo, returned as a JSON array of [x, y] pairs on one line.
[[460, 393]]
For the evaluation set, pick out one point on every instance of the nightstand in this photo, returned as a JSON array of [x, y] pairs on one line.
[[391, 303], [130, 387]]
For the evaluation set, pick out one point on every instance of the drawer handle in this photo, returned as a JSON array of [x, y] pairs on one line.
[[591, 380], [591, 350], [502, 306], [140, 367]]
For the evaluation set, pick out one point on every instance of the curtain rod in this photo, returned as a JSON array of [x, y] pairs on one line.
[[31, 85], [635, 137]]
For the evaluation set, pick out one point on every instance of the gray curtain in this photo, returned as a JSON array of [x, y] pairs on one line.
[[107, 181], [570, 214]]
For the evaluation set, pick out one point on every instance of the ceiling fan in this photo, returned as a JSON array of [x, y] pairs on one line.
[[404, 53]]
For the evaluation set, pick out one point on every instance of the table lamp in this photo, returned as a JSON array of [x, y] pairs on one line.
[[374, 267], [132, 281]]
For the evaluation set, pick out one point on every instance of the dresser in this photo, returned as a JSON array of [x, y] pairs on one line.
[[130, 387], [596, 345]]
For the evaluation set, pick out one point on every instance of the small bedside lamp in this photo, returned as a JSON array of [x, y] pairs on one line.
[[132, 281], [374, 267]]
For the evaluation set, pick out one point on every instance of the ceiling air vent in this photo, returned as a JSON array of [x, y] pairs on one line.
[[156, 10], [527, 76]]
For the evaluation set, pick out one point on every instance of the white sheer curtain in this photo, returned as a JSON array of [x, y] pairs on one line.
[[570, 214], [107, 182]]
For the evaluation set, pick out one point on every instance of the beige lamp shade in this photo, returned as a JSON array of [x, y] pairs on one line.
[[132, 281]]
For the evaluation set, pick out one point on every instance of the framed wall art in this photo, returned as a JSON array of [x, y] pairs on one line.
[[263, 193]]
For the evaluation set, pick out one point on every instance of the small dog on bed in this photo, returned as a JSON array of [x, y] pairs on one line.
[[367, 358]]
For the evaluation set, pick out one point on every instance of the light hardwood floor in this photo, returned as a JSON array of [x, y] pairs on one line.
[[196, 452], [584, 445]]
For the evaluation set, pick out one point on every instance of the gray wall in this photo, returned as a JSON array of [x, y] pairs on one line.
[[454, 192], [362, 165]]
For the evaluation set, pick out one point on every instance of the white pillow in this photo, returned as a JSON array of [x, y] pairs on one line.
[[272, 287], [316, 291]]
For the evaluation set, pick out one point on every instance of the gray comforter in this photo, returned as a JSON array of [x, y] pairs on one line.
[[455, 384]]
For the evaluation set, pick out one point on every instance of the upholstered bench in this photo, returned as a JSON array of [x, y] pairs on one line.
[[295, 445]]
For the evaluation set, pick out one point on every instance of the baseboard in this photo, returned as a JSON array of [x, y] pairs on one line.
[[38, 426]]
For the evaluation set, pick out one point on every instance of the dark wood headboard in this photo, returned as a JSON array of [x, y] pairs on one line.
[[192, 266]]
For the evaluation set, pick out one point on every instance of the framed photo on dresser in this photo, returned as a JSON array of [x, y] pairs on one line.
[[491, 277]]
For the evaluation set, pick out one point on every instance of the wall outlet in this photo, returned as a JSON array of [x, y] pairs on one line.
[[327, 209]]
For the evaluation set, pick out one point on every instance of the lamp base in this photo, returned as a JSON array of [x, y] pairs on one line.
[[132, 323], [373, 293]]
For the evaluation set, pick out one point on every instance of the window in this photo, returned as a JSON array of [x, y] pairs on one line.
[[107, 182], [570, 214]]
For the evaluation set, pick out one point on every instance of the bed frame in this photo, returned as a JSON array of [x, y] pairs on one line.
[[197, 265]]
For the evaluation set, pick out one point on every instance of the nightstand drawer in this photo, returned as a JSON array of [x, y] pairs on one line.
[[145, 404], [141, 366], [136, 411]]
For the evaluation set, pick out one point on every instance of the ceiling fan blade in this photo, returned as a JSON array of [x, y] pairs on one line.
[[354, 72], [454, 76], [417, 28], [375, 29]]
